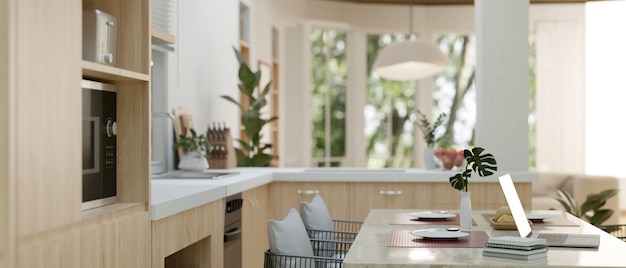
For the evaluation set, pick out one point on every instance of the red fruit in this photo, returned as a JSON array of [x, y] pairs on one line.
[[458, 160]]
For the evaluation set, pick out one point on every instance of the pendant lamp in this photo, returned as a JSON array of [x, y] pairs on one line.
[[410, 60]]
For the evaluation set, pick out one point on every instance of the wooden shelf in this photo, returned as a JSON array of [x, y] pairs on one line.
[[92, 213], [96, 70], [160, 37]]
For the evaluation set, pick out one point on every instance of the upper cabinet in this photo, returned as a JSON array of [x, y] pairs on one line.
[[133, 38], [130, 73], [163, 22]]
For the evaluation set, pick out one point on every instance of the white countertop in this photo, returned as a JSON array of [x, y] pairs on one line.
[[370, 247], [173, 195]]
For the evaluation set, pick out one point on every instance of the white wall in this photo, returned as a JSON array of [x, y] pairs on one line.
[[207, 67], [606, 92]]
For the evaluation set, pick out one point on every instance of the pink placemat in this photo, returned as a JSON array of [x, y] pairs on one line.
[[405, 219], [404, 239], [557, 220]]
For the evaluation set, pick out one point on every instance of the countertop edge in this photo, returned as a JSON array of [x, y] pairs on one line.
[[250, 178]]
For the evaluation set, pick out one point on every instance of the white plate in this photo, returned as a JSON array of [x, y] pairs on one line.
[[538, 217], [439, 234], [432, 215]]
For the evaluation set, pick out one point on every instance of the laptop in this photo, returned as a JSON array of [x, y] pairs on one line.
[[523, 227]]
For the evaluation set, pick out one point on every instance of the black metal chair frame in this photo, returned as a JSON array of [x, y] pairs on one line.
[[617, 230], [323, 249], [345, 231]]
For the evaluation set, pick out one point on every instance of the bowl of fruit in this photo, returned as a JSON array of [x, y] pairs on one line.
[[449, 158]]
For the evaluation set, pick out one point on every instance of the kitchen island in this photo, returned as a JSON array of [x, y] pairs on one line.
[[370, 248]]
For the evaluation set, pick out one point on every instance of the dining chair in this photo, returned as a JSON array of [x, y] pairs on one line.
[[320, 225], [291, 246]]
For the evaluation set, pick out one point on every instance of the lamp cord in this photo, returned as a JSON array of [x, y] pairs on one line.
[[411, 34]]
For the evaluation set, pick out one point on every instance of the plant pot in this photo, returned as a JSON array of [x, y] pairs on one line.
[[429, 158], [465, 211], [193, 161]]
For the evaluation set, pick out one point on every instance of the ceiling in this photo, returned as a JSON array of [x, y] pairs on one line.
[[449, 2]]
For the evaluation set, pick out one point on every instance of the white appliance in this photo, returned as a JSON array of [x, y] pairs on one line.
[[99, 29]]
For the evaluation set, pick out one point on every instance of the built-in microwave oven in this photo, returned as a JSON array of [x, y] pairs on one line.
[[99, 101]]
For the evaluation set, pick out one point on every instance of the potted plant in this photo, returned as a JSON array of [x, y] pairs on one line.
[[251, 151], [590, 210], [195, 148], [428, 132], [428, 129], [484, 164]]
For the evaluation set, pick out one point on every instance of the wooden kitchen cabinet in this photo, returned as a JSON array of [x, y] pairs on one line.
[[254, 216], [192, 238], [371, 195], [426, 195], [41, 221], [286, 195]]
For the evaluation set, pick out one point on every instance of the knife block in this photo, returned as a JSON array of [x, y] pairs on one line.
[[222, 153]]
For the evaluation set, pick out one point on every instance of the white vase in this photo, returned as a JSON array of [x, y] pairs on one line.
[[193, 161], [465, 211], [429, 158]]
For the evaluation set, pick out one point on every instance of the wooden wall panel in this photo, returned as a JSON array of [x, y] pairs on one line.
[[132, 241], [51, 249], [47, 114], [119, 239], [255, 213], [133, 139], [7, 231], [176, 232]]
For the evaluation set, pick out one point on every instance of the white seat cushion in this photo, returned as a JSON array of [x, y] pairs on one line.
[[289, 237], [315, 215]]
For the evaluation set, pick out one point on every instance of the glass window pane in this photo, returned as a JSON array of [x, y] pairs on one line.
[[329, 77]]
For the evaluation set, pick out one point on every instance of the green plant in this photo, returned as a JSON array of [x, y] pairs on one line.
[[590, 210], [427, 129], [484, 164], [251, 151], [193, 143]]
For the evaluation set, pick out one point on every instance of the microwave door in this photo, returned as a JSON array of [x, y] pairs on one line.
[[91, 145], [92, 164]]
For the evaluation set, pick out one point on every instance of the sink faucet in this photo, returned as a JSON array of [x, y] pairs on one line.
[[177, 133]]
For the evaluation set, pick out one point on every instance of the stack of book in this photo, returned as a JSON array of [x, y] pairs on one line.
[[519, 248]]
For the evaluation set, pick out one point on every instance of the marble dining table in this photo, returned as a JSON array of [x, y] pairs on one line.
[[385, 241]]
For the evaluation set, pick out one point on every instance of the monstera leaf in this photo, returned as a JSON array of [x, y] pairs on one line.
[[460, 181], [484, 164]]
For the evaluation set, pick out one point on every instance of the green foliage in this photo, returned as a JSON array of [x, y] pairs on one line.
[[329, 70], [482, 163], [591, 210], [427, 129], [251, 151], [193, 143]]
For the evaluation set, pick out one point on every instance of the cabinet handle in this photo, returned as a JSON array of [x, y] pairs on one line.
[[382, 192], [308, 192], [233, 232]]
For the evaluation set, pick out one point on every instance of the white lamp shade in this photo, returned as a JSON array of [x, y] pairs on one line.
[[410, 60]]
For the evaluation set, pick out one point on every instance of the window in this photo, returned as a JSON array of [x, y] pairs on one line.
[[455, 91], [388, 129], [328, 97]]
